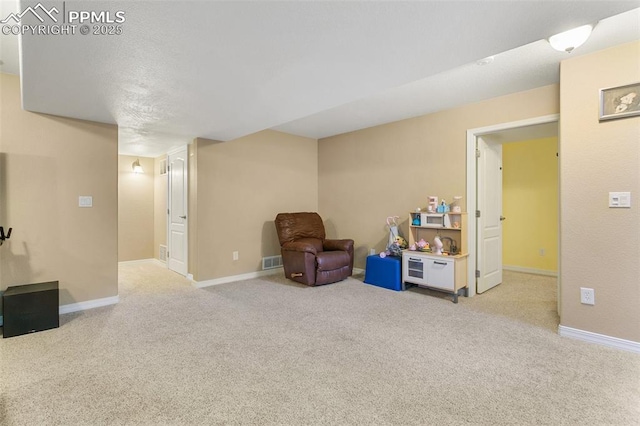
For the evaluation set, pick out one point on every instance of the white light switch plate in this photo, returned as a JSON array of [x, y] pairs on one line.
[[620, 199], [85, 201]]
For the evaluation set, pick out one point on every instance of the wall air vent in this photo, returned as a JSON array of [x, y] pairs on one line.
[[162, 253], [271, 262]]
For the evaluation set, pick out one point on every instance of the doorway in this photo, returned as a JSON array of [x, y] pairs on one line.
[[478, 239]]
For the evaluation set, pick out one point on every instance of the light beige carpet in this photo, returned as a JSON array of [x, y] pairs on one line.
[[267, 351]]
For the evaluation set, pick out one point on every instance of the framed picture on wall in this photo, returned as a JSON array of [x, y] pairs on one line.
[[620, 102]]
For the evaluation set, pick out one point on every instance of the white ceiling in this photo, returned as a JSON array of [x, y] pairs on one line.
[[222, 70], [533, 65]]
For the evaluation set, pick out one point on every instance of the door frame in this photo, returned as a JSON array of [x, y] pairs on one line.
[[472, 195], [168, 206]]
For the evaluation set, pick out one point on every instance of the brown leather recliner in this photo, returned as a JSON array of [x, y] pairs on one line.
[[308, 257]]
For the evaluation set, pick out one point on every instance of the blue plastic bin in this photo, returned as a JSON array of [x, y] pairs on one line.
[[384, 272]]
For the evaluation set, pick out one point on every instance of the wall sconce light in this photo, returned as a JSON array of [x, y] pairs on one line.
[[137, 168], [569, 40]]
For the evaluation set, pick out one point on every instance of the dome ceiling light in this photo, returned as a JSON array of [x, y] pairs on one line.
[[569, 40]]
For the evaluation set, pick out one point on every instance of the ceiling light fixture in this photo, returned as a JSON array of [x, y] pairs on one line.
[[569, 40], [485, 61], [137, 168]]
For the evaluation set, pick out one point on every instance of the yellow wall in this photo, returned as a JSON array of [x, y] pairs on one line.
[[239, 188], [600, 246], [367, 175], [530, 204], [46, 162], [135, 209]]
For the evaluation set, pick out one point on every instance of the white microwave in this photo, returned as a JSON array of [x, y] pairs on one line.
[[435, 220]]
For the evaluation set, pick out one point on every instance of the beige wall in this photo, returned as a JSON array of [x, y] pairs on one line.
[[159, 207], [135, 209], [367, 175], [46, 162], [241, 186], [600, 247]]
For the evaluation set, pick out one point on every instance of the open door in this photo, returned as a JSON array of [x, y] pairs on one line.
[[489, 222], [177, 211]]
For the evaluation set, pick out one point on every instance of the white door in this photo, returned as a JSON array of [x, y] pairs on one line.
[[489, 224], [177, 211]]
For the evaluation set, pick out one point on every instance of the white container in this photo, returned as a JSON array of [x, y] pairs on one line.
[[455, 205]]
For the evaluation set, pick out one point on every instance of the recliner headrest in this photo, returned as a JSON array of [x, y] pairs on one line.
[[293, 226]]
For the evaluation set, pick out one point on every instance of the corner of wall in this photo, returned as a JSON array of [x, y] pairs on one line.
[[239, 188]]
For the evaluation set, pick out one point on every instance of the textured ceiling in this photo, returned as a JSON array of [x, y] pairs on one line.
[[222, 70]]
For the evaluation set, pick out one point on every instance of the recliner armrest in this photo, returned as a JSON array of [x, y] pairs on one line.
[[346, 245], [300, 246]]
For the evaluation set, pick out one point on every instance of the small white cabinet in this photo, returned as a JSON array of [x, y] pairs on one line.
[[444, 273], [440, 273]]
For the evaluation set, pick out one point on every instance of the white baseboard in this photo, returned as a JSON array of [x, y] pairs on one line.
[[143, 261], [233, 278], [89, 304], [530, 270], [248, 276], [600, 339]]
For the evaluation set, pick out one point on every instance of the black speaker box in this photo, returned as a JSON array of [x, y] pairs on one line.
[[30, 308]]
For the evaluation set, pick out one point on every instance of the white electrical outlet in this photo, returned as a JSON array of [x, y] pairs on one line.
[[372, 251], [236, 256], [85, 201], [587, 296], [620, 199]]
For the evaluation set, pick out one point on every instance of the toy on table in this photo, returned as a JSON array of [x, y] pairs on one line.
[[433, 204], [442, 207], [396, 242], [437, 245], [455, 205], [421, 245]]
